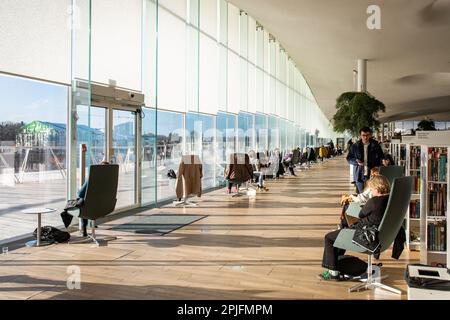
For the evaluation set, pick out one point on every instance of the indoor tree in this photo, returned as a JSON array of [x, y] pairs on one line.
[[356, 110], [426, 125]]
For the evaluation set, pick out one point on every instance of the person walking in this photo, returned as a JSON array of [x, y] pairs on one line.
[[365, 154]]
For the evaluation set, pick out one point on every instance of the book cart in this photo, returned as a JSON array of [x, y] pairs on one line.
[[434, 196]]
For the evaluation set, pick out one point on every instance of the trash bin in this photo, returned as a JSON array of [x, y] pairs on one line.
[[427, 283]]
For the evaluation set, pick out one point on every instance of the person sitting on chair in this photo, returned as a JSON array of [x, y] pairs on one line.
[[370, 215], [67, 218], [360, 198]]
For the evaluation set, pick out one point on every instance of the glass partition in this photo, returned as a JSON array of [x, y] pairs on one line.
[[33, 157], [261, 132], [169, 149], [200, 140], [274, 133], [226, 141], [245, 132], [149, 153]]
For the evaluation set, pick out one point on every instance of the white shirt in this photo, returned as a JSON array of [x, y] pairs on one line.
[[366, 151]]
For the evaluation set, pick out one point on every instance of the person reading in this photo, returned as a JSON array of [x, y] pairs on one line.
[[370, 215]]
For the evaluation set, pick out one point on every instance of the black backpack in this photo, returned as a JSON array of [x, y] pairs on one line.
[[171, 174], [52, 234], [351, 266]]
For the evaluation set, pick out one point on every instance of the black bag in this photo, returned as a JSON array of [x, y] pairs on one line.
[[367, 237], [351, 266], [171, 174], [52, 234]]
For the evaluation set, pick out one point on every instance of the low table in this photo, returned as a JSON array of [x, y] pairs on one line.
[[38, 211]]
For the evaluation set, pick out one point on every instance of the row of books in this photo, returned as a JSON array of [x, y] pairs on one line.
[[414, 209], [437, 236], [416, 184], [437, 164], [414, 158], [437, 205]]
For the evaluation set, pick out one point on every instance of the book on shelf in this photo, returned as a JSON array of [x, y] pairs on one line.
[[437, 236], [414, 162], [414, 209], [437, 200], [437, 164], [416, 183]]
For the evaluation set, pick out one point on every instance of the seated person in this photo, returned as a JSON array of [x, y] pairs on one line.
[[360, 198], [287, 163], [371, 215], [258, 170], [388, 160], [67, 218]]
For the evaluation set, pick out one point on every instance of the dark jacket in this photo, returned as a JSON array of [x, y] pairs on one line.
[[373, 211], [375, 155]]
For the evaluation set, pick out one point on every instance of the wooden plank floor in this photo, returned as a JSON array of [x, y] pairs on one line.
[[269, 247]]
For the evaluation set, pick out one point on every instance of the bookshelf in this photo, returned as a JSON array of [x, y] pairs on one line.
[[434, 196], [398, 151], [412, 168]]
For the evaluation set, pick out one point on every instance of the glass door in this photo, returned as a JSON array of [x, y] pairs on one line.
[[123, 152]]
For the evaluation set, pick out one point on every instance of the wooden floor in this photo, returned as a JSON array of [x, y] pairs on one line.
[[269, 247]]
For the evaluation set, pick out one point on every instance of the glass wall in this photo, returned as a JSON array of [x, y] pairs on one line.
[[169, 149], [199, 64], [245, 132], [33, 158], [261, 132], [406, 127], [200, 140], [149, 155], [226, 141], [274, 133], [124, 154]]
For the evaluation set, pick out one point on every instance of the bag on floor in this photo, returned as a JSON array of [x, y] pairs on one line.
[[52, 234], [351, 266]]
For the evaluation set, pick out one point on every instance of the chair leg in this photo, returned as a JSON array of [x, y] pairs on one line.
[[373, 281]]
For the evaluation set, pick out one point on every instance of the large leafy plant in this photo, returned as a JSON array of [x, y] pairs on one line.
[[426, 125], [356, 110]]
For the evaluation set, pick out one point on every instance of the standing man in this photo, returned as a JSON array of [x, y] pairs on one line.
[[365, 154]]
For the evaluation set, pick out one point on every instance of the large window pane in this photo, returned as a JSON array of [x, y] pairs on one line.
[[274, 134], [200, 140], [245, 132], [116, 42], [226, 141], [208, 17], [148, 156], [209, 75], [32, 152], [168, 151], [171, 62], [124, 147], [261, 132]]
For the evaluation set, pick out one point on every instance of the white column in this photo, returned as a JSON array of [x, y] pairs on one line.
[[362, 75]]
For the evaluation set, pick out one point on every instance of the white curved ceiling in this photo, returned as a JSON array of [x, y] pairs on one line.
[[409, 58]]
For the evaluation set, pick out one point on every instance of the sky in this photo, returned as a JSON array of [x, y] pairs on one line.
[[27, 100]]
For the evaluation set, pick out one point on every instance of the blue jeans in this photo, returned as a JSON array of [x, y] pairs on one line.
[[260, 177], [360, 185]]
